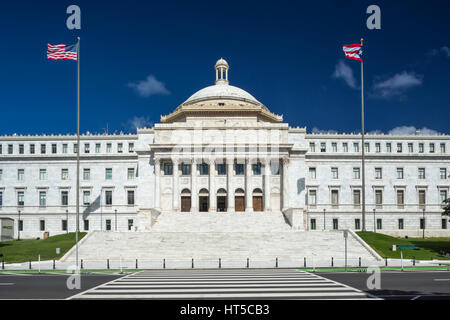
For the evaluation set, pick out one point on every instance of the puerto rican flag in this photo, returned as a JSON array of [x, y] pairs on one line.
[[353, 51]]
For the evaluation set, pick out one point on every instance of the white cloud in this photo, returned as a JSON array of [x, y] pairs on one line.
[[411, 130], [344, 72], [442, 50], [397, 85], [138, 122], [149, 86], [319, 131]]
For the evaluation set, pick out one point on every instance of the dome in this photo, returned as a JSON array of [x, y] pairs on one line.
[[221, 62], [221, 91]]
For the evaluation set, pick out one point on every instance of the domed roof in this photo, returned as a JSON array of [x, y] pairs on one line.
[[221, 62], [221, 91]]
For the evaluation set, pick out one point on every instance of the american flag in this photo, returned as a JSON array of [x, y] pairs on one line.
[[353, 51], [62, 51]]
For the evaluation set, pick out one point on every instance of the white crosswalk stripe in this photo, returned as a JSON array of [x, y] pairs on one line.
[[223, 284]]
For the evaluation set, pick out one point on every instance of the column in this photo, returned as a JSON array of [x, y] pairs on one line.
[[157, 187], [230, 188], [285, 184], [175, 191], [194, 194], [267, 204], [212, 186], [248, 187]]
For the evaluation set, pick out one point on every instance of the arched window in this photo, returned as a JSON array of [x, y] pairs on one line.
[[204, 191], [186, 192], [239, 191], [257, 191], [221, 191]]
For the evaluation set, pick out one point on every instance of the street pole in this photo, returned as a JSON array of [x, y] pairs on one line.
[[67, 221], [423, 229], [78, 154], [362, 148], [18, 227], [115, 223], [374, 222]]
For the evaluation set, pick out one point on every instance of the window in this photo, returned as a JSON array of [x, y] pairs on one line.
[[64, 174], [256, 169], [21, 149], [221, 169], [54, 148], [400, 224], [130, 224], [334, 147], [64, 225], [86, 198], [357, 224], [86, 225], [312, 147], [400, 198], [97, 147], [399, 147], [334, 197], [443, 196], [421, 173], [378, 173], [108, 225], [431, 147], [64, 148], [20, 174], [1, 198], [400, 173], [20, 225], [130, 197], [334, 173], [108, 173], [1, 174], [42, 198], [168, 168], [410, 148], [130, 173], [379, 224], [275, 168], [345, 146], [442, 147], [20, 199], [42, 225], [43, 148], [422, 198], [366, 147], [312, 197], [444, 224], [378, 198], [64, 198], [323, 147], [131, 147], [443, 173], [313, 224], [108, 197], [120, 147], [108, 147], [1, 149], [388, 147], [422, 223], [421, 149], [32, 149], [335, 224], [204, 169], [86, 174], [312, 173], [10, 149], [42, 174], [357, 197], [87, 147], [377, 147], [75, 148], [239, 168], [356, 147], [356, 173]]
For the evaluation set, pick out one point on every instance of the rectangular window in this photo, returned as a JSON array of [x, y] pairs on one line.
[[43, 148], [97, 147], [334, 173], [442, 196], [221, 169], [443, 173], [186, 169], [1, 149], [20, 225], [323, 147], [54, 148], [312, 147], [1, 198], [378, 173], [410, 148], [366, 147], [131, 147], [377, 147], [400, 198], [357, 224], [431, 147], [64, 198], [356, 147], [388, 147], [399, 147], [86, 225], [400, 224], [10, 149], [86, 174], [120, 147], [42, 174], [444, 224], [312, 197], [256, 169], [378, 198], [64, 148], [42, 198], [356, 173], [108, 225], [108, 173], [345, 146], [168, 168], [21, 149], [108, 147], [313, 224], [87, 147], [32, 149], [239, 168], [334, 147], [421, 173], [275, 168], [130, 197], [422, 198], [312, 173], [421, 149], [422, 223], [130, 173], [64, 225], [64, 174], [20, 198], [130, 224], [334, 197], [379, 224], [108, 197], [400, 173], [86, 198], [75, 148], [1, 174], [442, 147], [20, 174], [357, 197], [42, 225], [335, 224]]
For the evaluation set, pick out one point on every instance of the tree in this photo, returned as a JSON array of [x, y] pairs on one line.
[[446, 208]]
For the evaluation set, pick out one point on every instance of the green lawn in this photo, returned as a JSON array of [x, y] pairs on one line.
[[26, 250], [426, 249]]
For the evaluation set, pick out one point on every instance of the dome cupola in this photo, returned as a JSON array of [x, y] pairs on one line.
[[221, 71]]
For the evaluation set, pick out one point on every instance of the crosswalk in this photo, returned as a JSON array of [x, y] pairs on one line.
[[223, 284]]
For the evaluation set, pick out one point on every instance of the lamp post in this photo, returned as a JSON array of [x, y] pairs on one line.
[[423, 217], [18, 227], [115, 223], [324, 210], [374, 221], [67, 221]]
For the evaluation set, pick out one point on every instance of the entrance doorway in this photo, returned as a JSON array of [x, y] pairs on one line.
[[185, 200], [221, 200], [203, 200], [257, 200], [239, 200]]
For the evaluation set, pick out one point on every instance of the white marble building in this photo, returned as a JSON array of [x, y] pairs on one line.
[[223, 151]]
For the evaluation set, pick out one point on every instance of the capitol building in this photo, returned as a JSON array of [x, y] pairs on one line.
[[223, 152]]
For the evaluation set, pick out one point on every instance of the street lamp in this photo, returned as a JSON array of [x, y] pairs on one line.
[[324, 218], [423, 217], [18, 228], [115, 211], [374, 221]]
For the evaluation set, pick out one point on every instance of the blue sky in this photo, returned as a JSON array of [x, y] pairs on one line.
[[285, 53]]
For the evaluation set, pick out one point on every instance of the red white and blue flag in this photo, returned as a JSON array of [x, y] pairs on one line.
[[353, 51], [62, 51]]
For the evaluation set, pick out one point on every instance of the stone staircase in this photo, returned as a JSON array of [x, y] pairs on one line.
[[221, 222]]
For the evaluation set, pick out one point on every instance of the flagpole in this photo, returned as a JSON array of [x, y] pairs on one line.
[[363, 147], [78, 153]]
